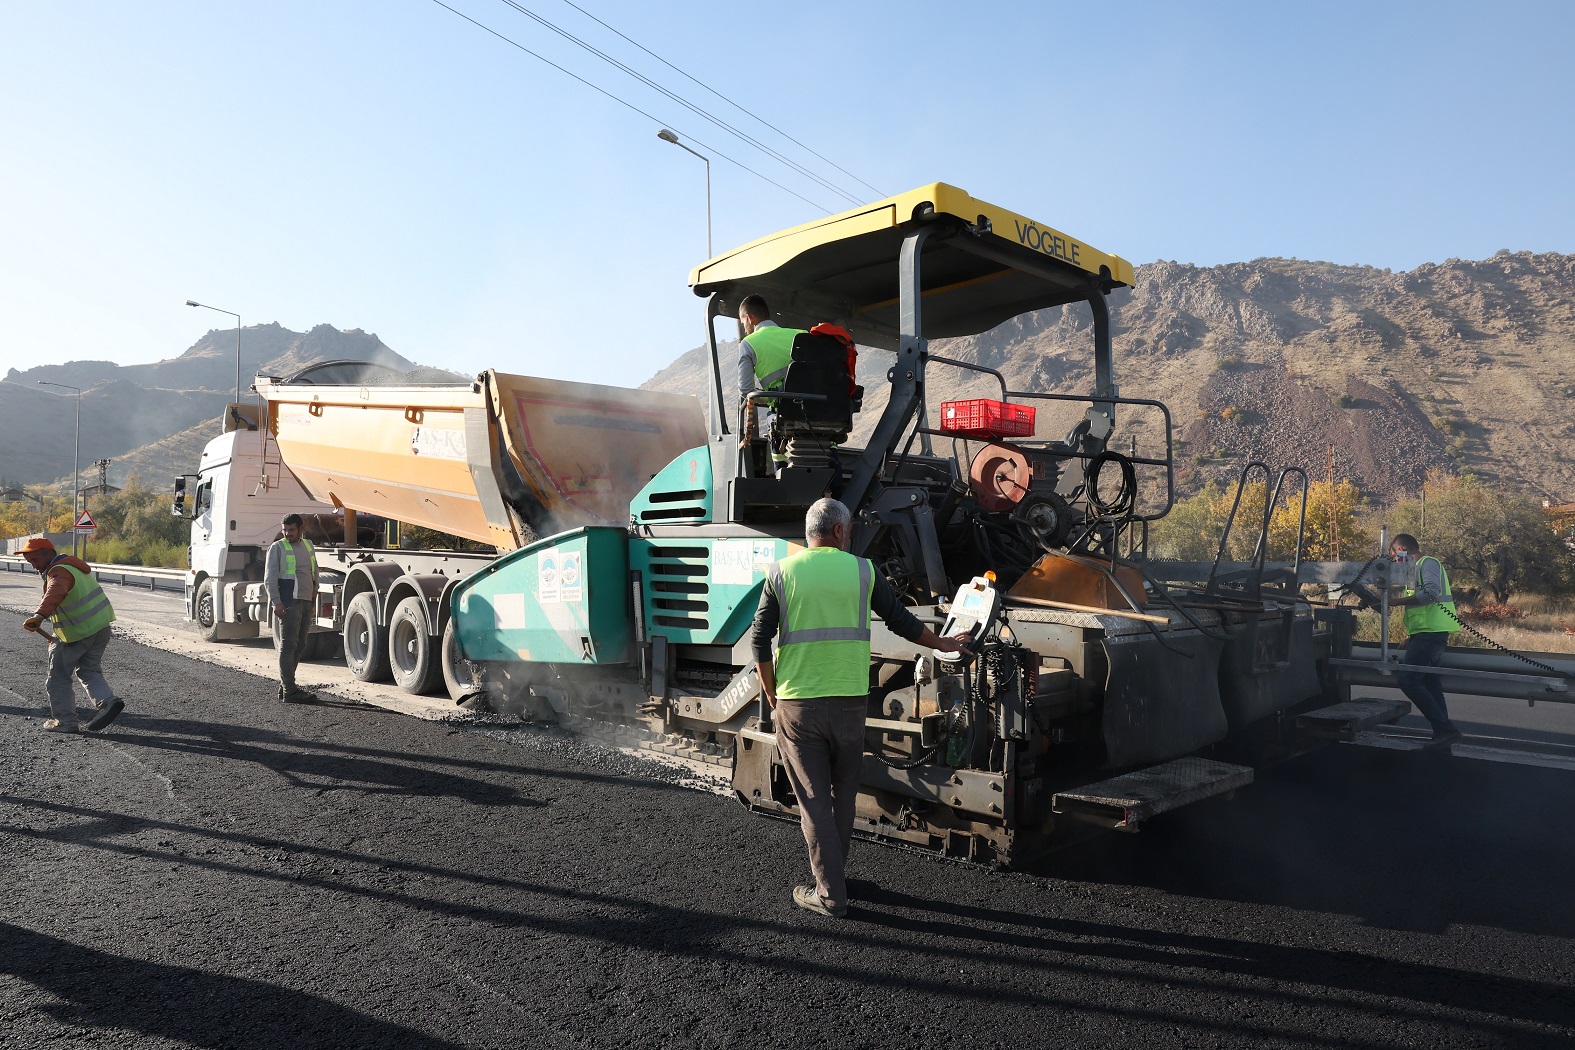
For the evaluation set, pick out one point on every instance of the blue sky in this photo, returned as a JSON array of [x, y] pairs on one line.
[[389, 166]]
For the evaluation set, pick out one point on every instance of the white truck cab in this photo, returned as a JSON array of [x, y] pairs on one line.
[[235, 502]]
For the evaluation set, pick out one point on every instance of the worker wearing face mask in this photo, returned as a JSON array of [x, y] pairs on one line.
[[1429, 619]]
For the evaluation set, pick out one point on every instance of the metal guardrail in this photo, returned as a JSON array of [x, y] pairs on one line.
[[153, 579]]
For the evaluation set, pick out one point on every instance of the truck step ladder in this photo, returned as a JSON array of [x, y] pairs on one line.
[[1344, 721], [1126, 801]]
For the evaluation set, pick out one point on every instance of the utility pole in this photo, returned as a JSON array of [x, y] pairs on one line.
[[1334, 518], [103, 488]]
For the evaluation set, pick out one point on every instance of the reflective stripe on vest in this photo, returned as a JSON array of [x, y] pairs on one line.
[[823, 636], [1435, 616], [773, 347], [85, 611], [289, 558]]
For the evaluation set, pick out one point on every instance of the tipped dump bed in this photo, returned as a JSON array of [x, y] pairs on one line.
[[496, 461]]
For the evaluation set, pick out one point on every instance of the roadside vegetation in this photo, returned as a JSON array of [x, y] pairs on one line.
[[135, 526]]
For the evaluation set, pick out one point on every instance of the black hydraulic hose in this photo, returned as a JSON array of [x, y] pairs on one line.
[[1120, 506]]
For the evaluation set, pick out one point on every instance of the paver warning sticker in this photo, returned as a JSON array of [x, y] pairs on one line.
[[548, 581], [569, 576]]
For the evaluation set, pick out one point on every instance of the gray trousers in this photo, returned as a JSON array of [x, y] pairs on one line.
[[292, 641], [85, 659], [822, 746]]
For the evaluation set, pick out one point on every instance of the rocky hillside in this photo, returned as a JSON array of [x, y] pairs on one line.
[[1463, 365], [128, 407]]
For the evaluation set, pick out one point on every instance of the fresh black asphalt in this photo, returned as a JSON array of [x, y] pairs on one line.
[[221, 870]]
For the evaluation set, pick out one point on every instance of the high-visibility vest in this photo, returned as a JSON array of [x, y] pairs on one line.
[[85, 611], [289, 558], [823, 636], [1436, 616], [773, 347]]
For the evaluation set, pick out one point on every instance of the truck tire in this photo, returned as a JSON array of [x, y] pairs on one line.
[[323, 645], [458, 675], [207, 610], [412, 658], [366, 644], [320, 645]]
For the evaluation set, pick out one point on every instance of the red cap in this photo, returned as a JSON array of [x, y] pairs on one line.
[[38, 543]]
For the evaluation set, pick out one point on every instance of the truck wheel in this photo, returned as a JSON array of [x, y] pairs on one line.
[[366, 644], [458, 674], [324, 645], [207, 611], [412, 657]]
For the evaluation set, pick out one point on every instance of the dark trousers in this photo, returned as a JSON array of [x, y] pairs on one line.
[[822, 745], [292, 641], [1426, 691]]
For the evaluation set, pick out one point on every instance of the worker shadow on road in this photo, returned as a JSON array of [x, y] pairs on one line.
[[1213, 965], [1411, 841], [288, 754], [321, 766], [90, 989]]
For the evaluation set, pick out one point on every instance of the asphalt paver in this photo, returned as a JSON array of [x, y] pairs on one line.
[[222, 870]]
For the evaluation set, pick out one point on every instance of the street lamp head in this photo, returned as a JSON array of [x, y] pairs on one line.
[[192, 302], [667, 136]]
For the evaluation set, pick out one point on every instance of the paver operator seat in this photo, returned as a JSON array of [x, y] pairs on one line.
[[807, 428]]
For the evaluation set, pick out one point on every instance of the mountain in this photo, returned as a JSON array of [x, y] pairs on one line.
[[1460, 366], [130, 407]]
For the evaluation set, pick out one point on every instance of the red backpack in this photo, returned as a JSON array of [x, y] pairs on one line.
[[841, 335]]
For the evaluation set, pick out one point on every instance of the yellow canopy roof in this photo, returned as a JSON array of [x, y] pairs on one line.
[[981, 266]]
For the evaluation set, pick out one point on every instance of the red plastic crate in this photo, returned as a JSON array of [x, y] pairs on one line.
[[984, 418]]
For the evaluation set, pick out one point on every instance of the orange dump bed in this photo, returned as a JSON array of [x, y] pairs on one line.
[[499, 461]]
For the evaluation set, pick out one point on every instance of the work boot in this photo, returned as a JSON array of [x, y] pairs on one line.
[[300, 696], [1444, 738], [807, 898], [54, 725], [108, 711]]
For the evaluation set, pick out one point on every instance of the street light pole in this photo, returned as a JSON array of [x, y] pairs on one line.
[[76, 458], [669, 136], [232, 313]]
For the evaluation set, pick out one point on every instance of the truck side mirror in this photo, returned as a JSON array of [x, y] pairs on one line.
[[182, 485]]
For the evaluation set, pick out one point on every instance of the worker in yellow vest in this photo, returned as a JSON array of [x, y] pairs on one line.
[[816, 606], [79, 614], [290, 576], [1429, 620], [764, 353]]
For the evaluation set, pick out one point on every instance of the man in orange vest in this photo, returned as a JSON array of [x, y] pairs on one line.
[[80, 614]]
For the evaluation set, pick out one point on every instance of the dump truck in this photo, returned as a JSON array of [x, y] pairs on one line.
[[367, 459], [1099, 695]]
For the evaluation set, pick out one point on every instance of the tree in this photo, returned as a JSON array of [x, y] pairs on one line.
[[1486, 537], [1331, 514], [1190, 531]]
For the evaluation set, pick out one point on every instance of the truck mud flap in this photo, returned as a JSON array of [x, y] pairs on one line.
[[1126, 801], [1344, 721]]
